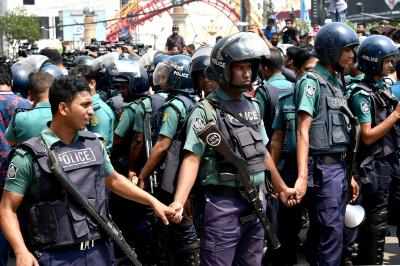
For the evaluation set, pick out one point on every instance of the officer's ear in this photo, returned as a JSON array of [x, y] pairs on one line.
[[63, 108]]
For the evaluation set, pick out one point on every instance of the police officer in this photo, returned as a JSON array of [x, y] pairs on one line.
[[131, 80], [49, 236], [200, 62], [30, 122], [225, 240], [147, 114], [267, 95], [166, 152], [323, 137], [380, 137], [149, 105], [128, 78], [283, 152], [103, 120]]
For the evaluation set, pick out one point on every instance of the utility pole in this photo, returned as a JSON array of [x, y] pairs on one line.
[[244, 14]]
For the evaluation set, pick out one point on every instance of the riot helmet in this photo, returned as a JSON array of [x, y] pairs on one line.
[[22, 69], [179, 79], [157, 59], [53, 70], [330, 41], [239, 47], [201, 59], [83, 60], [160, 75], [200, 62], [373, 51], [129, 78]]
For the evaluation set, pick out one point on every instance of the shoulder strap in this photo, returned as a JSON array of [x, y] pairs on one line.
[[187, 102], [359, 87], [157, 102], [208, 109], [34, 145], [314, 75]]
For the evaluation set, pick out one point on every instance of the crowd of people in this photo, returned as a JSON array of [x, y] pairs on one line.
[[221, 155]]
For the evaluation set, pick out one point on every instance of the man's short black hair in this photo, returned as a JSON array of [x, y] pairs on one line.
[[65, 89], [274, 61], [292, 51], [362, 23], [301, 57], [5, 75], [54, 56]]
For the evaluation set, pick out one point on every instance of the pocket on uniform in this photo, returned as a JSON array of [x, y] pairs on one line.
[[44, 221], [338, 128], [79, 220], [247, 143], [328, 212], [319, 136]]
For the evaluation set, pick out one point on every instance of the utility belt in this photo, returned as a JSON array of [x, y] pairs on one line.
[[331, 158], [81, 246]]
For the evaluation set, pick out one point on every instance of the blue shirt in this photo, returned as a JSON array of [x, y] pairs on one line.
[[396, 89], [8, 103]]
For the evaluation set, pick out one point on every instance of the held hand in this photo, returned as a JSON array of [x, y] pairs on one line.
[[133, 177], [178, 208], [163, 212], [301, 188], [26, 259], [288, 197], [355, 189]]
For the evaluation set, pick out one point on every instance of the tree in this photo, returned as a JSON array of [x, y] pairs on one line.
[[18, 25]]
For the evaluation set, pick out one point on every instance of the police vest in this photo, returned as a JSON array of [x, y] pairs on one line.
[[52, 218], [154, 114], [330, 128], [381, 109], [169, 167], [288, 110], [240, 124], [120, 151]]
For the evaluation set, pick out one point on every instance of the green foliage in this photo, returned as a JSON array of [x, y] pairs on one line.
[[18, 25]]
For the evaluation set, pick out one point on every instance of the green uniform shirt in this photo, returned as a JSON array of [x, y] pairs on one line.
[[195, 145], [28, 124], [170, 120], [361, 104], [279, 119], [102, 121], [21, 177], [279, 81], [126, 121], [308, 90], [261, 102], [139, 114]]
